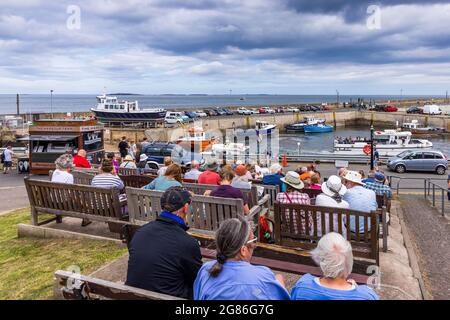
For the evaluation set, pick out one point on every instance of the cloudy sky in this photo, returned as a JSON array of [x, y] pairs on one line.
[[212, 46]]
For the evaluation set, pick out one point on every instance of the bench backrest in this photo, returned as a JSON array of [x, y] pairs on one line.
[[207, 212], [250, 194], [73, 200], [272, 191], [85, 287], [128, 171], [136, 181], [312, 193], [80, 177], [302, 226]]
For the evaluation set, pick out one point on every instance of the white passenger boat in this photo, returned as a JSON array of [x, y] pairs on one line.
[[387, 142], [263, 127]]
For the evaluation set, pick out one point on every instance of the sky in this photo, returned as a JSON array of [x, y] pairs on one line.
[[214, 46]]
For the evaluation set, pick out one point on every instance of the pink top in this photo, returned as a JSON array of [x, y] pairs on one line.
[[315, 186]]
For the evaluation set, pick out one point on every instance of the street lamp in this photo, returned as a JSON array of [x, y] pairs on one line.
[[337, 97], [371, 148], [51, 102], [298, 146]]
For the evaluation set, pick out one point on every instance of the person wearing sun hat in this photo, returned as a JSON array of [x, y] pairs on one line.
[[332, 192], [358, 198], [128, 162], [293, 194], [378, 185]]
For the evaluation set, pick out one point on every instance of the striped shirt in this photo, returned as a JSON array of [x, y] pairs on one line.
[[379, 188], [299, 219], [107, 180]]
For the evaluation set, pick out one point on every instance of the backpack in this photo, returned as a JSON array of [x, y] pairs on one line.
[[265, 234]]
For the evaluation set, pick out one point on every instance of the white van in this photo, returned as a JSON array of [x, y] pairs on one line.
[[432, 109], [173, 119], [177, 114]]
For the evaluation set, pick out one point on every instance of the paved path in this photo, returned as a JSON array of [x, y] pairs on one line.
[[430, 234]]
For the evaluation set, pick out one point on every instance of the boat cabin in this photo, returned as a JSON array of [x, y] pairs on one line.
[[50, 138], [105, 102]]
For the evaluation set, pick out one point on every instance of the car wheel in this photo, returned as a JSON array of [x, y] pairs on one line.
[[440, 170], [400, 168]]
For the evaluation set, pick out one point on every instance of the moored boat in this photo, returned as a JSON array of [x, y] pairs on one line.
[[110, 109], [318, 128], [300, 126], [263, 127], [196, 139], [416, 128], [388, 143]]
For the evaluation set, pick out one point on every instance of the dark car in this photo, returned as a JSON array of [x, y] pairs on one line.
[[414, 110], [228, 112], [158, 150], [221, 112], [191, 114], [210, 112], [378, 107]]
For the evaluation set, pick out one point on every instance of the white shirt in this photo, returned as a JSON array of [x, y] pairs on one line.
[[192, 174], [62, 177], [8, 155], [327, 201], [162, 171]]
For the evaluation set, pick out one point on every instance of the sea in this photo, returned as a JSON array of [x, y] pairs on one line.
[[32, 103]]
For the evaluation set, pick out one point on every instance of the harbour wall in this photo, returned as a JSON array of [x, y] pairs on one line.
[[339, 118]]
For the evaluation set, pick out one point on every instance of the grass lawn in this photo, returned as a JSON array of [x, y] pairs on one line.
[[27, 265]]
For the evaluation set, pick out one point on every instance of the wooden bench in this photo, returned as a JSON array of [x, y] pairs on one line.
[[127, 172], [312, 193], [80, 287], [136, 181], [79, 201], [302, 226], [200, 189], [80, 177], [207, 212]]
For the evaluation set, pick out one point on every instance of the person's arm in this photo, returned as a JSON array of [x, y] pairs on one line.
[[120, 184], [192, 262]]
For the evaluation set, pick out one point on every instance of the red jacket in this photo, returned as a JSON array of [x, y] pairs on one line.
[[80, 162]]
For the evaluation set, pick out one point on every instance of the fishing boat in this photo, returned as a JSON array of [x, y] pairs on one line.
[[387, 142], [300, 126], [263, 127], [318, 128], [109, 109], [416, 128], [196, 139]]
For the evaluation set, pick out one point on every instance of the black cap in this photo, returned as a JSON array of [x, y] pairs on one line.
[[174, 199]]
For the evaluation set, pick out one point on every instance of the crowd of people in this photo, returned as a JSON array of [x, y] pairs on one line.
[[166, 259]]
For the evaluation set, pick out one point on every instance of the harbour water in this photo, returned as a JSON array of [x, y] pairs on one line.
[[323, 142], [82, 102]]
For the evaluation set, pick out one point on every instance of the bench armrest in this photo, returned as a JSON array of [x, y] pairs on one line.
[[265, 201]]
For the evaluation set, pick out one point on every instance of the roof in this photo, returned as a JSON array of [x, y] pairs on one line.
[[52, 137]]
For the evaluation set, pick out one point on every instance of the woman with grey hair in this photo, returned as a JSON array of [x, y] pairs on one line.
[[335, 258], [231, 276], [62, 173]]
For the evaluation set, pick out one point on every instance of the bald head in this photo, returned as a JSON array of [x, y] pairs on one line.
[[82, 153]]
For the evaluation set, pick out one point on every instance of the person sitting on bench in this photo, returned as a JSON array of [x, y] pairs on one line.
[[334, 256], [231, 276], [163, 257]]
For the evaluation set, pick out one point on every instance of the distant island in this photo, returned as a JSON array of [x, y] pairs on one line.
[[124, 94]]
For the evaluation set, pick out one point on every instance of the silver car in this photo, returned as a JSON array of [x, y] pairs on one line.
[[410, 160]]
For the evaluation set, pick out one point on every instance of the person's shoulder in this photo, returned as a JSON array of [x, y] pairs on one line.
[[366, 293], [306, 280]]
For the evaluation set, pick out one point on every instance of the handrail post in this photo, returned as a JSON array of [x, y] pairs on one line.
[[425, 188], [434, 193], [443, 202]]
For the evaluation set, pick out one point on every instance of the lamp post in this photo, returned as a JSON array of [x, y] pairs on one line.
[[371, 147], [298, 146], [337, 98], [51, 103]]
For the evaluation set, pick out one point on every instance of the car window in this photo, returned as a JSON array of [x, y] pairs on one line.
[[429, 155], [438, 156], [417, 155]]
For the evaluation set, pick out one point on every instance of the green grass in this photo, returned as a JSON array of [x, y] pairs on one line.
[[27, 265]]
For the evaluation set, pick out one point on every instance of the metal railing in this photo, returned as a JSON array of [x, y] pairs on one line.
[[432, 191]]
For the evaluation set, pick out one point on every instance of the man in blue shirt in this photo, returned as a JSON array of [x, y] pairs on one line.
[[378, 186], [359, 198], [163, 257], [274, 178]]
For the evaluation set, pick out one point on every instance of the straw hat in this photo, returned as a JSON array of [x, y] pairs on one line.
[[354, 177], [293, 179], [333, 185], [128, 158]]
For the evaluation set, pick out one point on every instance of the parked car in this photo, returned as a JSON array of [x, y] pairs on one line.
[[156, 151], [210, 112], [279, 110], [191, 114], [377, 107], [221, 112], [267, 110], [173, 119], [228, 112], [244, 111], [390, 109], [201, 113], [178, 114], [254, 111], [292, 109], [414, 110], [262, 110], [432, 109], [409, 160]]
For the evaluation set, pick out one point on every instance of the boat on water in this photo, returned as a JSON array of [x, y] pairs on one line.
[[318, 128], [388, 143], [196, 140], [300, 126], [264, 128], [416, 128], [110, 109]]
